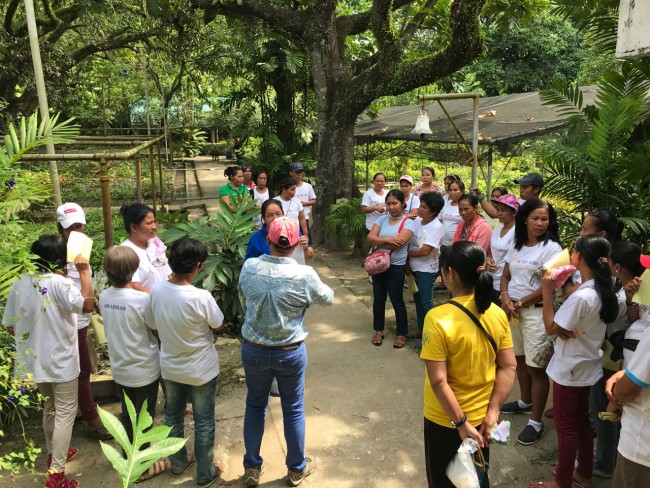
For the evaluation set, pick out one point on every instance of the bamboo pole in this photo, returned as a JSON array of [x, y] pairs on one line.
[[160, 177], [138, 179], [105, 182], [91, 156], [42, 95], [152, 171]]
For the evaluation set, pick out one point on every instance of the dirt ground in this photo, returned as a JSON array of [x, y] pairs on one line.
[[363, 407]]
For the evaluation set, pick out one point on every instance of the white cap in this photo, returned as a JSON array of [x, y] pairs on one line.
[[70, 213]]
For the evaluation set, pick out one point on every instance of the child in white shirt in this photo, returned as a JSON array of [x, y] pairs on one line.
[[580, 327]]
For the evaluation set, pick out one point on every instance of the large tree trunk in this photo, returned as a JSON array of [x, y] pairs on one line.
[[334, 170]]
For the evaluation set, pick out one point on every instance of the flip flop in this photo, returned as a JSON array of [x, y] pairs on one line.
[[191, 462], [378, 339], [219, 468], [159, 467]]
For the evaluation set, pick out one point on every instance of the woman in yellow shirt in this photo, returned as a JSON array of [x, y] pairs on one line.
[[470, 367]]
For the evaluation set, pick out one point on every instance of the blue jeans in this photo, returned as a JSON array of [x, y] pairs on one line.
[[423, 298], [203, 398], [288, 367], [391, 283]]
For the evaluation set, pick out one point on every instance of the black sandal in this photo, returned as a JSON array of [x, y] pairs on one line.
[[191, 462]]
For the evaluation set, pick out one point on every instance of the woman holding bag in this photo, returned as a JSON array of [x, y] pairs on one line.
[[469, 362], [391, 233]]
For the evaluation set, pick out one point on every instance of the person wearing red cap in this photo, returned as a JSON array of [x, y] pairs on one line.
[[71, 217], [276, 291]]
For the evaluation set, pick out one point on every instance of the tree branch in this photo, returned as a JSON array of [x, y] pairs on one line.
[[115, 40], [464, 46], [353, 24], [382, 78], [416, 22], [9, 17], [278, 19]]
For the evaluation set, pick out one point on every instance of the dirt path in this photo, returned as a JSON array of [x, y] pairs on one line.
[[363, 406]]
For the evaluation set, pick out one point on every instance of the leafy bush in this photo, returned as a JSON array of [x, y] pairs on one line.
[[348, 224], [226, 234], [137, 461], [20, 189], [192, 141]]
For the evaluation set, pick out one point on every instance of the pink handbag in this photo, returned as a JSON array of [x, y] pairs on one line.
[[379, 261]]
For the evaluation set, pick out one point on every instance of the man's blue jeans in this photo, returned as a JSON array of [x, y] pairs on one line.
[[391, 283], [423, 298], [203, 398], [288, 367]]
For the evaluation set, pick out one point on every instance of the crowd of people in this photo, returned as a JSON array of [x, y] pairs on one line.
[[506, 318]]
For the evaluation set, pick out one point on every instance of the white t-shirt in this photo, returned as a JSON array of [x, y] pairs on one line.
[[372, 199], [450, 219], [291, 208], [523, 264], [500, 246], [412, 203], [634, 442], [430, 234], [260, 198], [304, 193], [576, 362], [147, 273], [43, 308], [83, 319], [183, 316], [133, 348]]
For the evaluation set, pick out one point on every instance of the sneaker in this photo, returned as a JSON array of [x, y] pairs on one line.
[[294, 478], [513, 407], [58, 480], [599, 473], [530, 435], [252, 476]]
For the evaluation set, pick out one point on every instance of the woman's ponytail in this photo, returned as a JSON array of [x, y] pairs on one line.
[[595, 251], [467, 259]]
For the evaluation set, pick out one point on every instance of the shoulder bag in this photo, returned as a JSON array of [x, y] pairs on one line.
[[478, 324], [379, 261]]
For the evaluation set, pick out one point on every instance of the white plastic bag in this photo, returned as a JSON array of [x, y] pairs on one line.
[[461, 471]]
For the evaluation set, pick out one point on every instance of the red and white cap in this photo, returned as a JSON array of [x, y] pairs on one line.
[[283, 232], [70, 213]]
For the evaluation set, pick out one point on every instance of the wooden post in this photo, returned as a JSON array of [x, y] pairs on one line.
[[105, 182], [160, 177], [138, 179], [152, 170]]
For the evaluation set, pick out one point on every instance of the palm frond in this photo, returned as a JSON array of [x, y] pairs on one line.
[[568, 101]]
